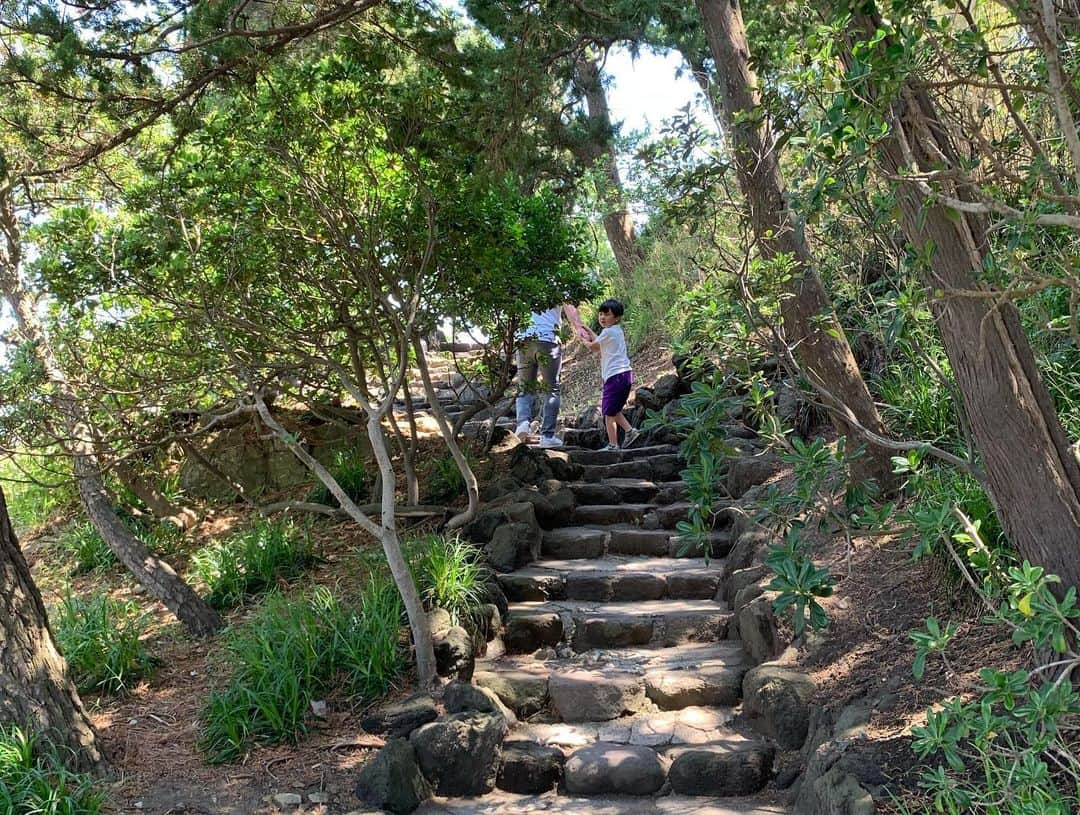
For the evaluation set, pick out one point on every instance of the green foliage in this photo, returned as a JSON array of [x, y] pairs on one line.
[[85, 546], [799, 582], [293, 652], [1012, 748], [700, 418], [34, 781], [445, 482], [35, 487], [350, 470], [253, 560], [101, 639], [451, 574]]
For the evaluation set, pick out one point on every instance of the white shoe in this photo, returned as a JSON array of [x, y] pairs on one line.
[[610, 448], [630, 437], [547, 442], [523, 431]]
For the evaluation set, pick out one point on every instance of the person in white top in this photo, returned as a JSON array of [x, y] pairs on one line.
[[614, 370], [540, 354]]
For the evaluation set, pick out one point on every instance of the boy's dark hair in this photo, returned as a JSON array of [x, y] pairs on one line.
[[612, 306]]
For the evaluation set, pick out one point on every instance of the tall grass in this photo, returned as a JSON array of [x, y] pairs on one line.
[[295, 651], [445, 482], [450, 574], [88, 551], [252, 561], [33, 780], [351, 470], [101, 639], [35, 487]]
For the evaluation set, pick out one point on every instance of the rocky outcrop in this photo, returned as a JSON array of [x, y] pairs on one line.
[[777, 701], [460, 755], [392, 780]]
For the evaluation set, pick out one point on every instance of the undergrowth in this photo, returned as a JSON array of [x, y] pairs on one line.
[[34, 781], [252, 561], [351, 469], [101, 639], [445, 482], [450, 574], [296, 651]]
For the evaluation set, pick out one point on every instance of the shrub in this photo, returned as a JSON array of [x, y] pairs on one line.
[[252, 560], [33, 780], [35, 488], [291, 653], [101, 639], [87, 549], [450, 574], [350, 470]]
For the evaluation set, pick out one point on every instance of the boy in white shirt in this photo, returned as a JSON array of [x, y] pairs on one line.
[[614, 370]]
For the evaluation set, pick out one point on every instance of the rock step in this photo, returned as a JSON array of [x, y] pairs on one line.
[[578, 542], [688, 675], [661, 467], [588, 625], [600, 457], [613, 578], [632, 490], [601, 514], [504, 803]]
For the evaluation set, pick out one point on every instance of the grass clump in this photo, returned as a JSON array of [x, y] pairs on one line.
[[86, 548], [450, 574], [252, 561], [101, 639], [445, 482], [350, 470], [34, 781], [296, 651]]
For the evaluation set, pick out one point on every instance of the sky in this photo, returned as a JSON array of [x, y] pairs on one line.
[[644, 91]]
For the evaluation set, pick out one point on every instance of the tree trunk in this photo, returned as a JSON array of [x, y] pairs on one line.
[[35, 692], [157, 576], [1033, 476], [809, 324], [159, 505], [618, 224]]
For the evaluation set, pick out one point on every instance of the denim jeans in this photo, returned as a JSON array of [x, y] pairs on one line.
[[543, 358]]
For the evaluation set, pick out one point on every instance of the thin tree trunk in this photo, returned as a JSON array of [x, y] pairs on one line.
[[385, 531], [159, 505], [810, 326], [1033, 475], [157, 576], [35, 691], [471, 486], [618, 224]]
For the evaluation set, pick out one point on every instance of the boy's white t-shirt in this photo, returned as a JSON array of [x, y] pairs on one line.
[[544, 325], [614, 358]]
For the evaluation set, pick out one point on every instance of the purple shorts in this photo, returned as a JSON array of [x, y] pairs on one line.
[[616, 392]]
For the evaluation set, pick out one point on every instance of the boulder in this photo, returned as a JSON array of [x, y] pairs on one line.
[[646, 397], [558, 463], [749, 471], [613, 769], [542, 508], [741, 578], [756, 624], [482, 528], [749, 550], [460, 697], [460, 755], [563, 503], [523, 692], [777, 700], [454, 654], [595, 696], [668, 388], [499, 488], [722, 768], [842, 768], [439, 621], [527, 632], [392, 780], [401, 718], [529, 768], [588, 418], [512, 546]]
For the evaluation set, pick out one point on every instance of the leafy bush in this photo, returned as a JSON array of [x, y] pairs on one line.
[[85, 546], [1011, 749], [350, 470], [252, 560], [293, 652], [101, 639], [35, 488], [33, 781], [799, 582], [450, 574]]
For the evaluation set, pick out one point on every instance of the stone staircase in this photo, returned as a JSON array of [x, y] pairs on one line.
[[614, 660]]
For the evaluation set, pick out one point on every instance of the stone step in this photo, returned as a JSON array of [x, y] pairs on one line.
[[623, 469], [587, 624], [574, 542], [689, 675], [504, 803], [601, 457], [627, 539], [614, 490], [602, 514], [613, 578]]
